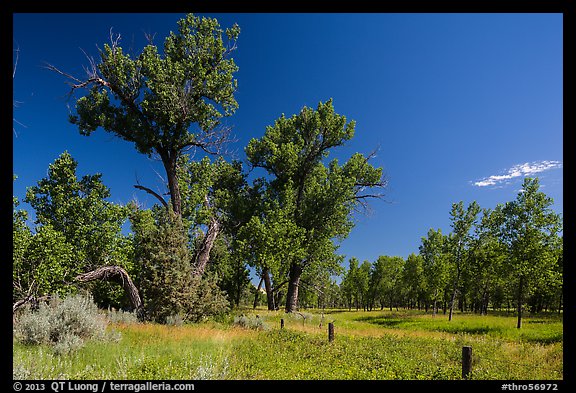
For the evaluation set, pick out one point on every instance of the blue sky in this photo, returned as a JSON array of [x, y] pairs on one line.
[[460, 106]]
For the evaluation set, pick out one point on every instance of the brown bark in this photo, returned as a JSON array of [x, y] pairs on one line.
[[151, 192], [519, 300], [115, 272], [292, 295], [169, 162]]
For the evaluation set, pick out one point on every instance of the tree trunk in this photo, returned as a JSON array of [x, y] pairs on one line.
[[120, 275], [519, 299], [294, 281], [169, 161], [203, 254], [268, 287], [453, 299]]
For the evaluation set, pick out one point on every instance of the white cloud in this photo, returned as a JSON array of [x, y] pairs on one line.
[[520, 170]]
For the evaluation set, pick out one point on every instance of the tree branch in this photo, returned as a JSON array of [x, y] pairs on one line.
[[151, 192], [108, 272]]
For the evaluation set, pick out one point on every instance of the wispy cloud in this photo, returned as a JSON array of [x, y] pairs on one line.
[[520, 170]]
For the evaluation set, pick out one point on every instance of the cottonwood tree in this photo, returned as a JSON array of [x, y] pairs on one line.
[[414, 280], [355, 282], [269, 239], [321, 198], [530, 230], [165, 100], [486, 270], [462, 221], [385, 279], [214, 202], [433, 252]]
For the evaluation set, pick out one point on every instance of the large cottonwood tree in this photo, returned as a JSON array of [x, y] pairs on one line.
[[462, 222], [320, 197], [165, 100]]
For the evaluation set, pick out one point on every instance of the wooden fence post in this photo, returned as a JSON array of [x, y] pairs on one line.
[[282, 323], [330, 331], [466, 362]]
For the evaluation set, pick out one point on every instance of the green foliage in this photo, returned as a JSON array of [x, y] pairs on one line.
[[386, 280], [21, 238], [50, 263], [230, 268], [77, 230], [316, 199], [511, 254], [165, 271], [153, 98], [168, 286], [435, 264]]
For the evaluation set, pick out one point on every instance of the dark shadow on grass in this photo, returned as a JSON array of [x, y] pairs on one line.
[[386, 321], [544, 340], [469, 329]]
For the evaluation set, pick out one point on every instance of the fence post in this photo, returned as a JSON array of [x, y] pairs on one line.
[[330, 331], [466, 362], [282, 323]]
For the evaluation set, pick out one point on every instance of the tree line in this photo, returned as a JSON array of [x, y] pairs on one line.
[[508, 257]]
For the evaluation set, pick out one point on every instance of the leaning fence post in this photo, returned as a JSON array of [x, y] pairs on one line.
[[466, 362], [330, 331]]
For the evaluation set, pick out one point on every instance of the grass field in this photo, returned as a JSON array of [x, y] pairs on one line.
[[368, 345]]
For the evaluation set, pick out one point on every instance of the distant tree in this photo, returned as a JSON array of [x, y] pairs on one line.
[[462, 221], [435, 269], [487, 255], [530, 230], [413, 279], [385, 280], [347, 284], [320, 198]]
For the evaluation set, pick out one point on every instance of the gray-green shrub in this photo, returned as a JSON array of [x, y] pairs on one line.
[[62, 323], [250, 322]]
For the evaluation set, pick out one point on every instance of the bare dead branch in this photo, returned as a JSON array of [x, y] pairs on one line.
[[149, 37], [17, 50], [29, 299], [152, 192]]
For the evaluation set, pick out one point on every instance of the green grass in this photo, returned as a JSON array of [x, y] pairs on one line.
[[368, 345]]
